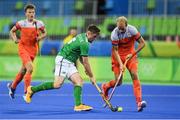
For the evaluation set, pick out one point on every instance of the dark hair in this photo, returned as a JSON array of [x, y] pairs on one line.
[[29, 6], [73, 28], [93, 28]]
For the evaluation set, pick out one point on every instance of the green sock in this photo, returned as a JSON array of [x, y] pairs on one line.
[[77, 94], [44, 86]]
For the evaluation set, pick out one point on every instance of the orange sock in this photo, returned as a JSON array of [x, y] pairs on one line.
[[137, 90], [17, 80], [27, 81]]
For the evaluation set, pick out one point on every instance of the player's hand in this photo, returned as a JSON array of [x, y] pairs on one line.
[[38, 38], [93, 80], [129, 56], [121, 67], [124, 67], [16, 41]]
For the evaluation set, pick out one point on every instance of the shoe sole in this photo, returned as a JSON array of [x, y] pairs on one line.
[[9, 89], [83, 110], [142, 107], [24, 97]]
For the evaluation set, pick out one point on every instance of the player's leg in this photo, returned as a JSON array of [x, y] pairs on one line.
[[28, 75], [12, 86], [132, 67], [59, 74], [31, 90], [77, 81], [107, 86], [27, 63]]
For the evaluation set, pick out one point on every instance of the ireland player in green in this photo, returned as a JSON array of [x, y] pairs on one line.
[[78, 47]]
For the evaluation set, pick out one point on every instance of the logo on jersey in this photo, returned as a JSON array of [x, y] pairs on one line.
[[128, 34]]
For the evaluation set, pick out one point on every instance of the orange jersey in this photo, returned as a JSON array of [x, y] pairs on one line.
[[29, 32], [126, 45], [125, 41]]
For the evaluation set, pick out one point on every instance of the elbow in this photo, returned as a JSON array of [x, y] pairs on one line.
[[45, 33], [44, 36], [144, 44], [10, 34], [85, 64]]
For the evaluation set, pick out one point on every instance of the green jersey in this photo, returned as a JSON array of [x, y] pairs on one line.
[[78, 46]]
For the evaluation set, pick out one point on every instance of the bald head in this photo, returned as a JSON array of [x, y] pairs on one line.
[[122, 23]]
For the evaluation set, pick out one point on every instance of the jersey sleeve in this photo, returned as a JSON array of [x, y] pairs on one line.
[[84, 48], [18, 25], [135, 33], [41, 26], [114, 38]]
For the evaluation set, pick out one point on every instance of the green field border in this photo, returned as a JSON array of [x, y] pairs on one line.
[[151, 70]]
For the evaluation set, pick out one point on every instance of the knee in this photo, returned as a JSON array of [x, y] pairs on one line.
[[134, 75], [30, 69], [57, 85], [78, 83], [23, 71]]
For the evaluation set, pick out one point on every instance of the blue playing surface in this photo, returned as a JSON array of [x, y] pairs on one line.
[[163, 102]]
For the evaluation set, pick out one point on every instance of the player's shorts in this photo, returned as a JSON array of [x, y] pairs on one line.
[[132, 64], [64, 67], [25, 56]]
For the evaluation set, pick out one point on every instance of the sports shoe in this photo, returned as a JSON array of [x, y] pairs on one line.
[[28, 95], [141, 105], [11, 91], [82, 107], [104, 90]]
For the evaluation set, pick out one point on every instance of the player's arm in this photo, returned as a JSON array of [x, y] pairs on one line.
[[42, 35], [40, 27], [87, 67], [81, 60], [12, 34], [84, 47], [117, 56], [141, 45], [115, 44]]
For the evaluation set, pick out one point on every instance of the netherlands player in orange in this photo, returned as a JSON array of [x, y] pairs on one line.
[[123, 38], [32, 31]]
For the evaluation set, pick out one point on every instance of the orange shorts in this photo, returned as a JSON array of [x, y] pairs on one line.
[[131, 65], [26, 56]]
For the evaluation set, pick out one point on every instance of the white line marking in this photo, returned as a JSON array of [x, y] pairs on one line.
[[92, 95]]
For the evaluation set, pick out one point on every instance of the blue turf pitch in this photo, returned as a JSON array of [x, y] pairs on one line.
[[163, 102]]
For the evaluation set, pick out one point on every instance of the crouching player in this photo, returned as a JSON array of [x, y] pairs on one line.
[[123, 38], [78, 47]]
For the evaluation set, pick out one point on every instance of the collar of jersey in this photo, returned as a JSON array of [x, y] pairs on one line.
[[28, 21]]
